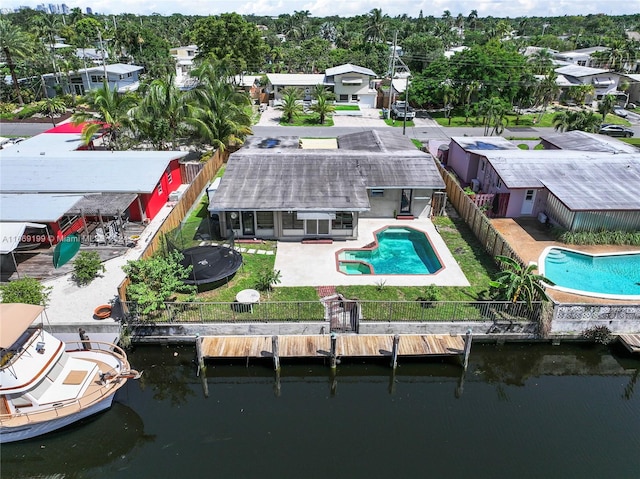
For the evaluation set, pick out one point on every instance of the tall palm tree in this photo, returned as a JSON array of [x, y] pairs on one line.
[[542, 61], [15, 44], [109, 111], [520, 283], [449, 96], [376, 26], [493, 111], [472, 19]]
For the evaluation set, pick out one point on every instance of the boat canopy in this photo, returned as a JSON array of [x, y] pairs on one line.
[[15, 318]]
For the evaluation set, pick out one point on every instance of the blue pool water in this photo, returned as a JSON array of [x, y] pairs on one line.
[[610, 274], [399, 251]]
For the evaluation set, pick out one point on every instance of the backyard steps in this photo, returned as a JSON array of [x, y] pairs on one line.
[[557, 257]]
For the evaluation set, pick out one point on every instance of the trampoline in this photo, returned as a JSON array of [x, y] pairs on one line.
[[211, 263]]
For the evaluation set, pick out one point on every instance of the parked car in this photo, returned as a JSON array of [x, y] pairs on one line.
[[616, 130], [400, 110], [621, 112]]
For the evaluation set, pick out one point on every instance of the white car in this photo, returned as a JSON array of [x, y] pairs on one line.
[[621, 112]]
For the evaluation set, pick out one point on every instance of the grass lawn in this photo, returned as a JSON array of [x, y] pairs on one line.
[[476, 265], [307, 120], [458, 120], [398, 123], [632, 141], [347, 107]]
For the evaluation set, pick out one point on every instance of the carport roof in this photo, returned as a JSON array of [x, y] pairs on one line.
[[33, 207]]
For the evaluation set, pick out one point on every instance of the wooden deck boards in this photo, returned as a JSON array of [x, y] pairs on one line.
[[360, 345], [631, 342]]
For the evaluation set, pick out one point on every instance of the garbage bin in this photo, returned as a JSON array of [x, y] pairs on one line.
[[385, 113]]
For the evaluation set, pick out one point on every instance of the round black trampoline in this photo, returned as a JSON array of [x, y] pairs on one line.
[[211, 263]]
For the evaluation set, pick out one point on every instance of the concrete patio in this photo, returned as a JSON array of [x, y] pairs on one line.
[[315, 264]]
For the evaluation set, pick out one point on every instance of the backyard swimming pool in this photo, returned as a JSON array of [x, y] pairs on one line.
[[397, 250], [614, 276]]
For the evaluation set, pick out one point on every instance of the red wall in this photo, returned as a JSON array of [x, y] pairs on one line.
[[153, 202]]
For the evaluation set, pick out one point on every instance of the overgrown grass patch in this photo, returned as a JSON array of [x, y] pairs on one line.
[[347, 107]]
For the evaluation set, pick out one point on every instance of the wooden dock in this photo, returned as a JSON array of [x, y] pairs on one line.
[[631, 342], [319, 346]]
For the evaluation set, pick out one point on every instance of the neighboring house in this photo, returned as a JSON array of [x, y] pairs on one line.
[[120, 76], [634, 87], [582, 56], [303, 82], [577, 190], [582, 141], [605, 82], [184, 57], [48, 179], [349, 83], [249, 84], [92, 55], [352, 84], [272, 189]]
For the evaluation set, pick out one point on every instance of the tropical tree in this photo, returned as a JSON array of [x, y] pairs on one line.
[[220, 114], [323, 107], [290, 105], [520, 283], [493, 111], [15, 44], [52, 107], [605, 106], [584, 120], [376, 26], [109, 111], [542, 61], [581, 92], [160, 117], [449, 96]]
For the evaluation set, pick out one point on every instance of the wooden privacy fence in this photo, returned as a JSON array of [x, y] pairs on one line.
[[299, 311], [491, 239], [182, 207]]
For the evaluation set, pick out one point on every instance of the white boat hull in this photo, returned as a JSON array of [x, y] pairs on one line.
[[35, 429]]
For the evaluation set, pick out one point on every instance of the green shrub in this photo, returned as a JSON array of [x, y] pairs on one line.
[[25, 290], [267, 279], [86, 267], [28, 111], [631, 238], [7, 108]]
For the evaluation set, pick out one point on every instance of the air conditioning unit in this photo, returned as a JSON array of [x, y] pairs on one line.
[[177, 194], [475, 185]]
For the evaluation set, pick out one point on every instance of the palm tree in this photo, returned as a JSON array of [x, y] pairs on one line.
[[493, 111], [376, 26], [160, 116], [52, 107], [569, 120], [581, 92], [449, 95], [323, 107], [520, 283], [109, 111], [606, 106], [15, 44], [542, 60], [290, 105], [472, 19]]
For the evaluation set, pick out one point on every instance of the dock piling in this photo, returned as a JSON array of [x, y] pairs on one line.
[[467, 349], [333, 357], [276, 355], [394, 351]]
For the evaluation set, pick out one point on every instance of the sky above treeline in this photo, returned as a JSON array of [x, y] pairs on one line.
[[324, 8]]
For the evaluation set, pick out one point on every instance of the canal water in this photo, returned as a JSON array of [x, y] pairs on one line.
[[525, 411]]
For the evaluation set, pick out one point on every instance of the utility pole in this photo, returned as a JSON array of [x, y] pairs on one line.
[[393, 69], [104, 64]]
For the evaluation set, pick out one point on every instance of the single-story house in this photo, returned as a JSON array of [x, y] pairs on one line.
[[465, 154], [582, 141], [349, 83], [578, 190], [272, 189], [120, 76], [47, 179]]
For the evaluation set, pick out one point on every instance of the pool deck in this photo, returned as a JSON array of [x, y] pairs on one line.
[[529, 238], [315, 264]]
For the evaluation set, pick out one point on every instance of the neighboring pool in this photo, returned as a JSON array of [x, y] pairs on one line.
[[397, 250], [614, 276]]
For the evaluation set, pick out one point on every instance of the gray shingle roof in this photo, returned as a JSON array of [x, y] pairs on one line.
[[316, 180], [349, 68], [582, 141], [581, 180]]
